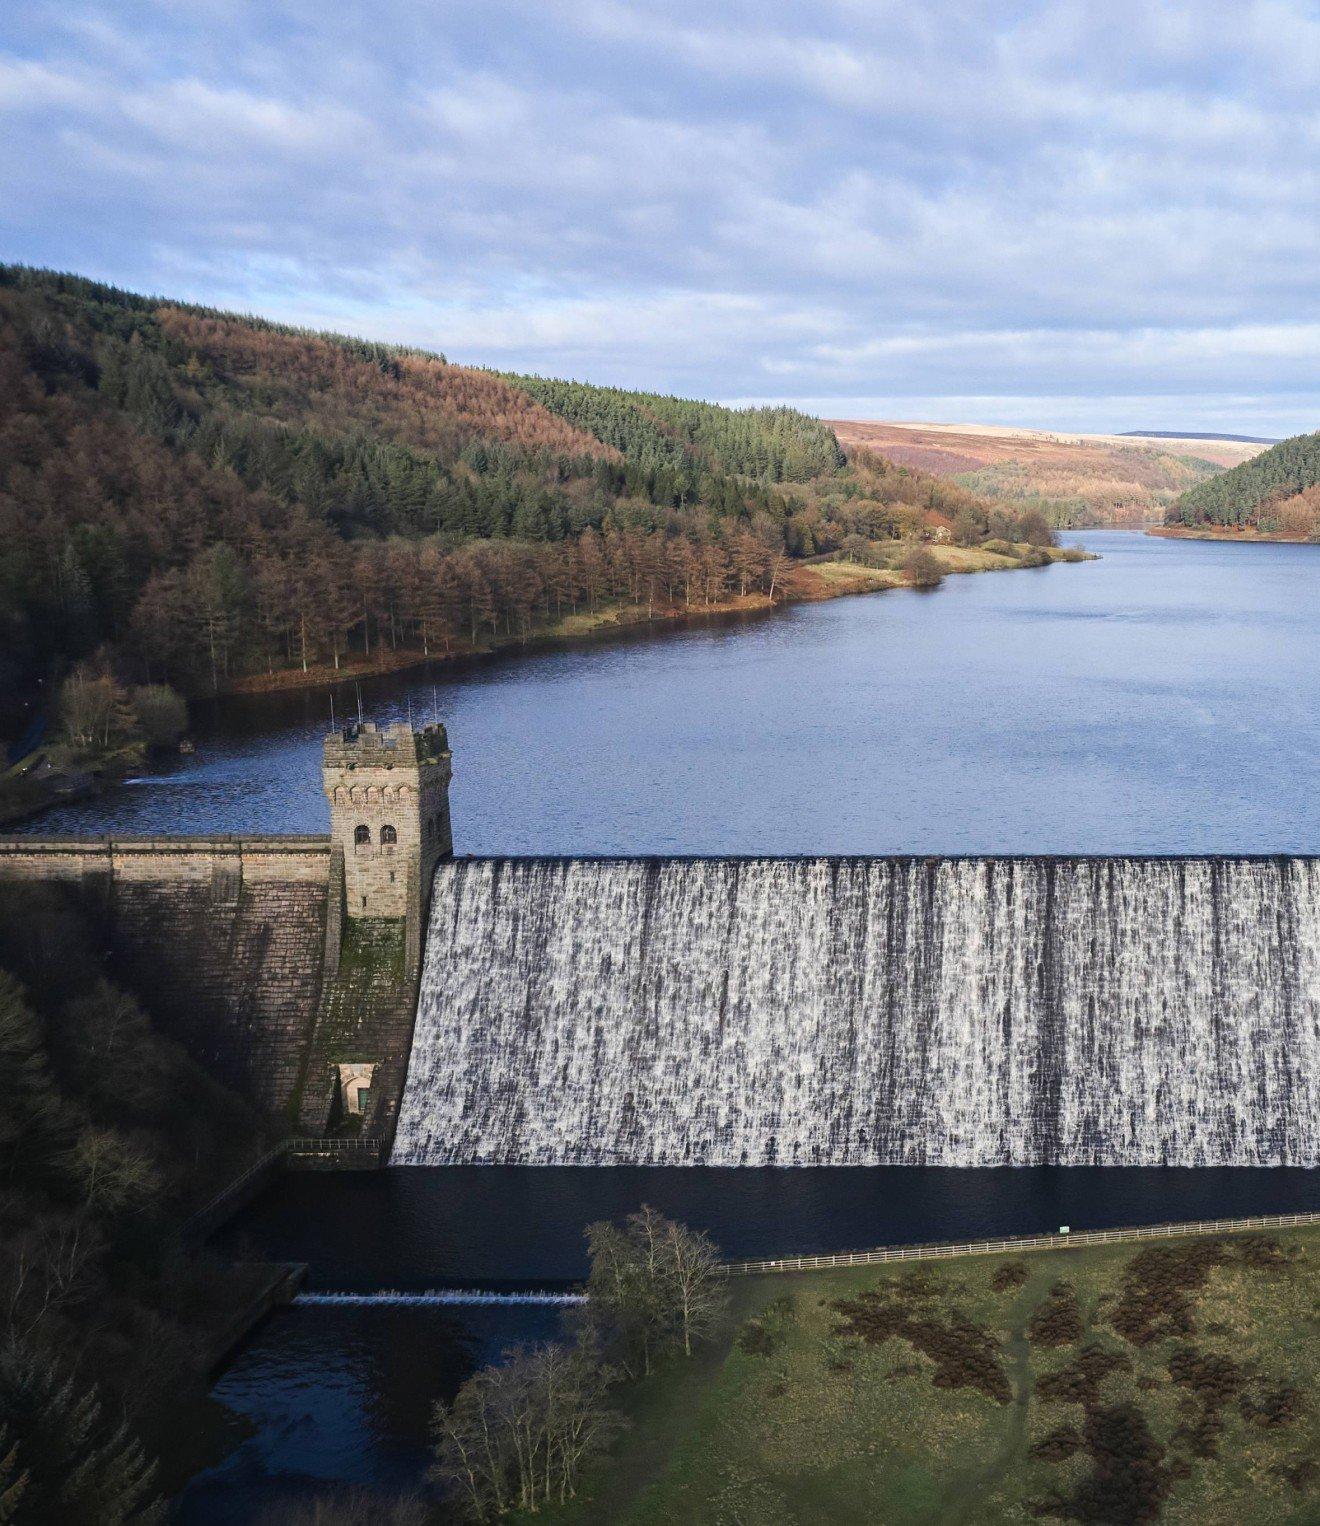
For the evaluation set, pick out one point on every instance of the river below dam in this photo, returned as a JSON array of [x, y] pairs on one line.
[[333, 1391], [1164, 700]]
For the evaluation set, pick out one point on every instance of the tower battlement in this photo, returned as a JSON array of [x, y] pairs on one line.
[[366, 743], [388, 789]]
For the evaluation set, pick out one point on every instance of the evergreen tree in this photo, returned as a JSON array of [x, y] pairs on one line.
[[79, 1470], [34, 1123], [13, 1481]]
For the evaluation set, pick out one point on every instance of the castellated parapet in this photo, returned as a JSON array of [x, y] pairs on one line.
[[388, 789]]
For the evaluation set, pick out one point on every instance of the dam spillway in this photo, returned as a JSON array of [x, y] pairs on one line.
[[961, 1012]]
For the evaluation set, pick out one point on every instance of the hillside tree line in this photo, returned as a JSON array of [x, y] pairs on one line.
[[202, 496]]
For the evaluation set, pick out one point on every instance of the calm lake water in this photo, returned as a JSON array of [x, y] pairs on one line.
[[1165, 699]]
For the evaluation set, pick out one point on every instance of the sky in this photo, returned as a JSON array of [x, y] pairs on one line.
[[1063, 215]]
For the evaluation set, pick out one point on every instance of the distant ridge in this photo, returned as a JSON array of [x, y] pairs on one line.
[[1196, 434], [1076, 480]]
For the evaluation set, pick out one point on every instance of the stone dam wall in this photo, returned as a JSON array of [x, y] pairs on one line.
[[224, 936], [958, 1012], [236, 943]]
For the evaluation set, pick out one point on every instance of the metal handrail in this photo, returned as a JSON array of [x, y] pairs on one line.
[[1009, 1244], [310, 1144], [194, 1220]]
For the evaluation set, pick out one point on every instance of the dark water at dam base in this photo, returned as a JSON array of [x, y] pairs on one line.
[[343, 1393]]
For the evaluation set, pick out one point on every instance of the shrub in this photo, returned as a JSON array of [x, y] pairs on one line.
[[160, 714], [1034, 529], [764, 1334], [1059, 1445], [922, 568], [1079, 1382], [966, 1355], [1012, 1274], [1058, 1321], [1159, 1289], [99, 715]]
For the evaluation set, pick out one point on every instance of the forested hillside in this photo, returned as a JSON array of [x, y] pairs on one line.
[[196, 497], [1276, 492], [693, 438]]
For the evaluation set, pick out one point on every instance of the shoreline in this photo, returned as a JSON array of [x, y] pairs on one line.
[[1245, 537], [618, 620], [810, 582], [805, 583]]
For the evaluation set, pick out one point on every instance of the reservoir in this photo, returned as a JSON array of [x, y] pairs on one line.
[[1164, 699]]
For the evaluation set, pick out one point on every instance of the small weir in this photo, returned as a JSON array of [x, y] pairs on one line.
[[458, 1297]]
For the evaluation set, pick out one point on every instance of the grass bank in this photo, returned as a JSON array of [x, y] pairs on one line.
[[1244, 533], [1177, 1382], [57, 774]]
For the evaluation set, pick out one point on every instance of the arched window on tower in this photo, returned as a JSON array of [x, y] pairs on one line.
[[361, 836], [388, 836]]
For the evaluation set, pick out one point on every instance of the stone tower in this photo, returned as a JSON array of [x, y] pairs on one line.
[[389, 813]]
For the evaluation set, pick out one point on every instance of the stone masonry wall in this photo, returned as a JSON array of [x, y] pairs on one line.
[[389, 809], [226, 936], [367, 1012]]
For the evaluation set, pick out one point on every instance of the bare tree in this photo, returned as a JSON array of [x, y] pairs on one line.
[[624, 1303], [517, 1436], [95, 710], [922, 568], [700, 1288], [44, 1270], [654, 1284]]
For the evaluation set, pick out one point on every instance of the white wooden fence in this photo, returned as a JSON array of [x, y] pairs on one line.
[[1011, 1245]]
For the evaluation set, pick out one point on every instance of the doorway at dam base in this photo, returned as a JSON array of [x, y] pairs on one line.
[[341, 1393]]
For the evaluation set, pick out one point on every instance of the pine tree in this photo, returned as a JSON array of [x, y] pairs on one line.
[[13, 1481], [79, 1470]]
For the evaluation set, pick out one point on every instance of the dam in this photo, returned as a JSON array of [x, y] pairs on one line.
[[371, 990], [816, 1012]]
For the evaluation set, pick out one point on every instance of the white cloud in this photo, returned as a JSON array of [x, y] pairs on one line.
[[974, 198]]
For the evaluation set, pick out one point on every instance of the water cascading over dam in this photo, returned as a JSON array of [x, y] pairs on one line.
[[869, 1011]]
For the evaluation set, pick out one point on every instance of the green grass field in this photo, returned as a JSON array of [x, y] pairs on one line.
[[1174, 1382], [851, 577]]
